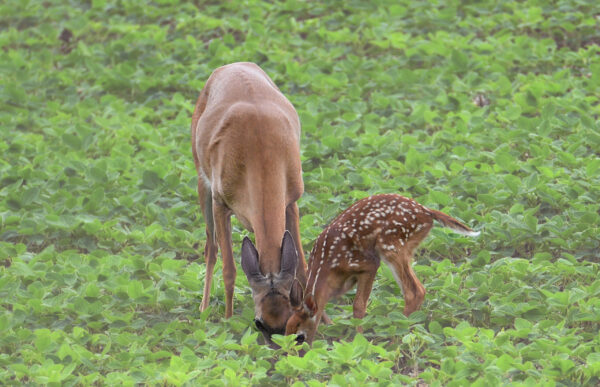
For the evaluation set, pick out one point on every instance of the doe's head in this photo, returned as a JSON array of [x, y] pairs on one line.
[[303, 322], [271, 292]]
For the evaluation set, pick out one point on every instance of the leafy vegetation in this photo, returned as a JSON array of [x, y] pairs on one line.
[[486, 110]]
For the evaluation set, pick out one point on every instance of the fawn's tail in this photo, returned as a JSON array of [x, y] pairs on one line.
[[452, 223]]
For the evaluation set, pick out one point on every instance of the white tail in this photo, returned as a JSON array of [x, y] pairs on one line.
[[386, 227], [245, 142], [452, 223]]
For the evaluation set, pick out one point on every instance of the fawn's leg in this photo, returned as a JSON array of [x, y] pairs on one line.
[[399, 261], [363, 291]]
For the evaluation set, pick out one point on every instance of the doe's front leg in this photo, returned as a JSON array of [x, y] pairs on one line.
[[210, 249], [222, 216]]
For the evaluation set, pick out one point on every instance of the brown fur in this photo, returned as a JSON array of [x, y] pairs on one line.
[[245, 143]]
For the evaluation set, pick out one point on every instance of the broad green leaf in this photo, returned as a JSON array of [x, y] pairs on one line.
[[135, 289]]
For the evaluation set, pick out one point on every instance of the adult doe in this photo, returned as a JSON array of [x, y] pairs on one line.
[[245, 142]]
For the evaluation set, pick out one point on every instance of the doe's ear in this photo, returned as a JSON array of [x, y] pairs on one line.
[[296, 293], [310, 305], [289, 255], [250, 261]]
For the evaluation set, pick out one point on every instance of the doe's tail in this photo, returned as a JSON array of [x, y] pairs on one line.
[[452, 223]]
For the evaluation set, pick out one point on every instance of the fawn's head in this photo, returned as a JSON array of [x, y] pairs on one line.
[[303, 322], [271, 292]]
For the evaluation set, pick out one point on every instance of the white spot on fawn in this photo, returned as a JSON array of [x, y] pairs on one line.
[[316, 279]]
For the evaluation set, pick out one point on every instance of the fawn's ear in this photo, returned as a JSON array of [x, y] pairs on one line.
[[310, 305], [296, 293]]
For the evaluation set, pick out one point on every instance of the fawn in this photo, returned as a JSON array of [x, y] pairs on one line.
[[348, 252]]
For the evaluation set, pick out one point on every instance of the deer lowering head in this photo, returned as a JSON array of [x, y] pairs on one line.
[[348, 252], [271, 292], [245, 142]]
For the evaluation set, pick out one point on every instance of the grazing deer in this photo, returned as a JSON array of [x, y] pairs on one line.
[[245, 142], [384, 227]]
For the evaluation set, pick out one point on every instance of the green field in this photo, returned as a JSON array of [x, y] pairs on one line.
[[487, 110]]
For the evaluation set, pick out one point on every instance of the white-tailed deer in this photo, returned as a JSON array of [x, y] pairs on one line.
[[246, 146], [384, 227]]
